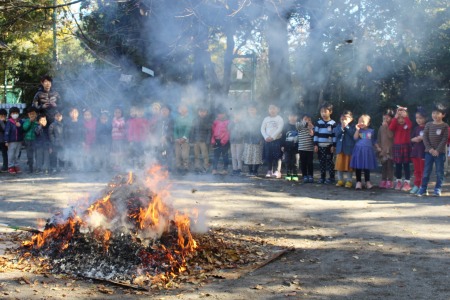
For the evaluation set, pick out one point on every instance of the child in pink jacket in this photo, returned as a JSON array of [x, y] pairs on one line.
[[220, 140]]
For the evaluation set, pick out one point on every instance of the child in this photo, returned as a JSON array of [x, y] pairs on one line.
[[290, 147], [325, 142], [253, 142], [118, 135], [306, 148], [181, 130], [56, 135], [236, 142], [200, 136], [137, 133], [447, 163], [153, 119], [42, 145], [3, 148], [103, 141], [271, 130], [13, 139], [363, 156], [418, 149], [384, 148], [220, 140], [74, 138], [90, 129], [165, 130], [345, 143], [435, 135], [401, 126], [29, 126], [153, 122]]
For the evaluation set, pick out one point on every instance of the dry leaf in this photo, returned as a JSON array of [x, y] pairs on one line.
[[104, 290]]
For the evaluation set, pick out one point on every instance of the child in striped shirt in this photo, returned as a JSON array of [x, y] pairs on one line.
[[325, 143], [306, 148]]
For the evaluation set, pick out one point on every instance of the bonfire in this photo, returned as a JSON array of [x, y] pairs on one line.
[[130, 235], [130, 230]]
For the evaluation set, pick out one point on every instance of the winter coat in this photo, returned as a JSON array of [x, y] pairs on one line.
[[28, 129], [402, 132], [2, 131], [42, 138], [104, 135], [344, 139], [200, 130], [74, 134], [137, 129], [51, 98], [182, 127], [290, 137], [56, 134], [90, 130], [220, 132], [12, 132]]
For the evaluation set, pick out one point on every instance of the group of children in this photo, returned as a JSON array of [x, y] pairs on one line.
[[341, 148], [356, 148], [351, 146]]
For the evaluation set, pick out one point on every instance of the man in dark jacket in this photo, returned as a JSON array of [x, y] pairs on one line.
[[46, 100]]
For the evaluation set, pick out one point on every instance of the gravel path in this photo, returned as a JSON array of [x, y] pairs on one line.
[[348, 244]]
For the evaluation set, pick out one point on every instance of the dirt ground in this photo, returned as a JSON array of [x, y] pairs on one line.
[[369, 244]]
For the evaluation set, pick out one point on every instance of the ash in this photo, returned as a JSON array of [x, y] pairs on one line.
[[125, 258]]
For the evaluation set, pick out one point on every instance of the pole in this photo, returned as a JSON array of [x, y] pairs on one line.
[[55, 50]]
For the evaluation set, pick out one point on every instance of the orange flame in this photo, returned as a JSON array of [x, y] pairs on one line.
[[62, 233], [185, 240], [103, 206]]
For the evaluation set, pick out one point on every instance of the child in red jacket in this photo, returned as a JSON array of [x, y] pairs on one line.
[[220, 140], [137, 133], [401, 125]]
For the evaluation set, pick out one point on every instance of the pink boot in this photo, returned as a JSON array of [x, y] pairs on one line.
[[389, 184]]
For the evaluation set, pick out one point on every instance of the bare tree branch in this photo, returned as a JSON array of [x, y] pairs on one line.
[[35, 7]]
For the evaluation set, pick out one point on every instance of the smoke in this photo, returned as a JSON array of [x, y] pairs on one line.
[[346, 51]]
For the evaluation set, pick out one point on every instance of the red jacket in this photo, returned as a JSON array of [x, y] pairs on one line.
[[220, 131], [402, 133], [137, 130], [90, 128]]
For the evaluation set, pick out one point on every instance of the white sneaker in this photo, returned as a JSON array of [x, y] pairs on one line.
[[277, 174], [269, 174]]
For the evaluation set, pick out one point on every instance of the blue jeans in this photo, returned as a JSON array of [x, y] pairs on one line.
[[438, 161]]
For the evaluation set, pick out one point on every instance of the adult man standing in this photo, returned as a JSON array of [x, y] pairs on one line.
[[46, 100]]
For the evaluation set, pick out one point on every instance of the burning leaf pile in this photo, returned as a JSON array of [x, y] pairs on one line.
[[130, 235]]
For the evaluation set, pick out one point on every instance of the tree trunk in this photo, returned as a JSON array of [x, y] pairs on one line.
[[228, 60], [279, 66], [200, 56]]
